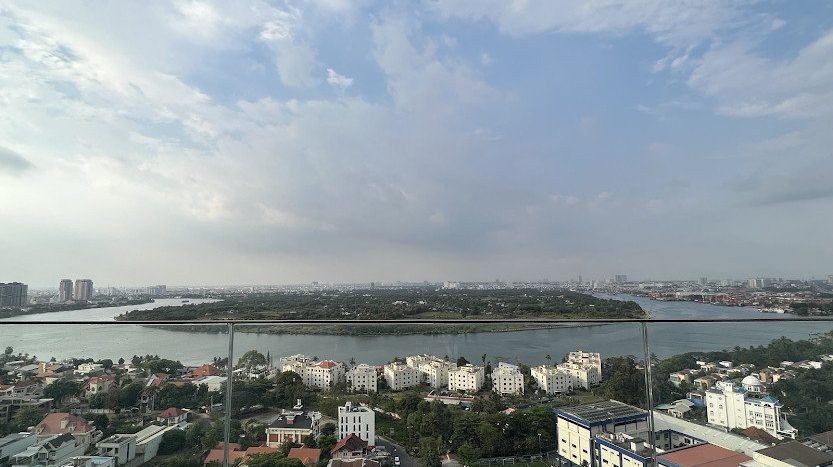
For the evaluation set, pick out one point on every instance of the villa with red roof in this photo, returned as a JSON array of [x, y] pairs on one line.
[[172, 416], [60, 423], [349, 447]]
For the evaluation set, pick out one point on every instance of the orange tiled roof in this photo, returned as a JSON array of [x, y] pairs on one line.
[[53, 424], [307, 456]]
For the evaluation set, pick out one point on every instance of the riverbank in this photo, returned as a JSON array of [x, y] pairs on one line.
[[42, 309], [392, 329], [413, 304]]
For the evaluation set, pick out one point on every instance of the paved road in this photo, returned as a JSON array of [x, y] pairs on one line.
[[397, 450]]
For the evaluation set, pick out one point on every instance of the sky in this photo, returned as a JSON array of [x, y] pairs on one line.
[[197, 142]]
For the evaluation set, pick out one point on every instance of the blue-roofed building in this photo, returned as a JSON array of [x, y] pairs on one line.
[[578, 426]]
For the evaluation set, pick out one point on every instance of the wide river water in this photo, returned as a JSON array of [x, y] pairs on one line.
[[107, 340]]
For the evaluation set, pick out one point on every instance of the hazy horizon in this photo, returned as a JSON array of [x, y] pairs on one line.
[[337, 141]]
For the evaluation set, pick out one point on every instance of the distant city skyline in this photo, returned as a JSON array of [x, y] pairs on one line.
[[283, 142]]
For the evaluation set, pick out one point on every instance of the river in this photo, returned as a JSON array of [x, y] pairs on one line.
[[113, 341]]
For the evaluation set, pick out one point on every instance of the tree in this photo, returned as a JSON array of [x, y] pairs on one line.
[[252, 359], [101, 421], [194, 435], [273, 460], [61, 389], [468, 453], [285, 447], [26, 417], [121, 361], [172, 441], [9, 351], [106, 363], [289, 387], [328, 429], [429, 452], [326, 443]]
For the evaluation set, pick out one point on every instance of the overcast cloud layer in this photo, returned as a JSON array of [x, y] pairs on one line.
[[198, 142]]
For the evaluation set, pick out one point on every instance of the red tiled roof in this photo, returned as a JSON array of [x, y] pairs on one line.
[[706, 455], [205, 370], [52, 424], [260, 450], [327, 364], [307, 456], [171, 412], [351, 442], [235, 453], [216, 455]]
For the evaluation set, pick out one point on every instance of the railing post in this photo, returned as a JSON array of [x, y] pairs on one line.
[[229, 378], [649, 393]]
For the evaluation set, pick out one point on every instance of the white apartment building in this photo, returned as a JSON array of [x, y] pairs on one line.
[[585, 368], [415, 361], [507, 379], [552, 380], [468, 378], [580, 357], [362, 378], [359, 420], [433, 370], [436, 373], [323, 375], [744, 406], [401, 376]]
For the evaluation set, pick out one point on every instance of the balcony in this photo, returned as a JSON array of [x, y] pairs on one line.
[[163, 388]]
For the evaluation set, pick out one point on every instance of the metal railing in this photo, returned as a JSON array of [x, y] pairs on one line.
[[230, 326]]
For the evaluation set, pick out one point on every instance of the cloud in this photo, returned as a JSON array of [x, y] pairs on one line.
[[338, 81], [748, 84], [295, 59], [12, 162]]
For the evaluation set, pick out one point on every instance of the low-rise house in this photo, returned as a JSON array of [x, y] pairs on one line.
[[702, 383], [349, 447], [294, 427], [149, 439], [120, 447], [308, 456], [358, 462], [98, 384], [88, 368], [64, 423], [362, 378], [236, 454], [203, 371], [91, 461], [214, 383], [53, 450], [679, 377], [15, 443], [793, 454], [172, 416]]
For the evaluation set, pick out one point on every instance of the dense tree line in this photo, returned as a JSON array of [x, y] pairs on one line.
[[432, 428], [416, 302]]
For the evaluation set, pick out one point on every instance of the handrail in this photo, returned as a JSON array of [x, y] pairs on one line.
[[179, 322]]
